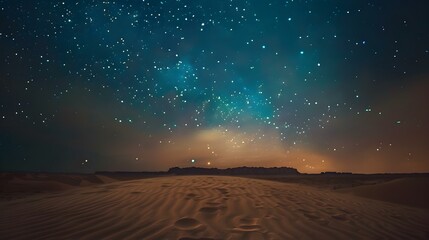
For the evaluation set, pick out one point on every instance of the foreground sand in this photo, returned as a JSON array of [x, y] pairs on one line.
[[207, 207]]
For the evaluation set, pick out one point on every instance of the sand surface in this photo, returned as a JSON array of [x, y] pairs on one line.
[[207, 207], [411, 191], [19, 185]]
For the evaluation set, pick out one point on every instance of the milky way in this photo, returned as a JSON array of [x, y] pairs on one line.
[[148, 85]]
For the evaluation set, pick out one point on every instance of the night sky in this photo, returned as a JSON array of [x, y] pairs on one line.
[[148, 85]]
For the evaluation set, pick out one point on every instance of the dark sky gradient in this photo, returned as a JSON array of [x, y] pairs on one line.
[[148, 85]]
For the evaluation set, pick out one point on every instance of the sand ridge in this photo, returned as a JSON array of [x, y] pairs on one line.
[[207, 207]]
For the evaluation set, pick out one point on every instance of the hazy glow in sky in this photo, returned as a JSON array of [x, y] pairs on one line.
[[148, 85]]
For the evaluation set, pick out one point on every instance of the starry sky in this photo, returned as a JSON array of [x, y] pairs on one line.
[[320, 85]]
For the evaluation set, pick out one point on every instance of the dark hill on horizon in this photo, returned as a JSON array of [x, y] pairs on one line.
[[234, 171], [212, 171]]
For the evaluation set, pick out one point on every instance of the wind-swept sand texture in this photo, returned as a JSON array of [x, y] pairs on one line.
[[207, 207]]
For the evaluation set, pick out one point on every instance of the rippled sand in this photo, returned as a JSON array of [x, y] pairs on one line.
[[207, 207]]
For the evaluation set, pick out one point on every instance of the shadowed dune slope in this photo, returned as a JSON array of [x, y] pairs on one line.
[[207, 207], [27, 183], [408, 191]]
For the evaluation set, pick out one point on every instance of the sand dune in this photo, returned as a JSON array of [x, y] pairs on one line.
[[408, 191], [207, 207], [46, 182], [16, 185]]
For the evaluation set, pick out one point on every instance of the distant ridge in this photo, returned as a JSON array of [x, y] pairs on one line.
[[234, 171], [207, 171], [336, 173]]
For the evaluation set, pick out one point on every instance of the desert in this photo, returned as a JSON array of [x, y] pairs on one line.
[[215, 207], [214, 120]]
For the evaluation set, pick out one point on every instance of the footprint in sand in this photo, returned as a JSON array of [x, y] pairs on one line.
[[191, 196], [209, 209], [247, 224], [212, 207], [187, 224]]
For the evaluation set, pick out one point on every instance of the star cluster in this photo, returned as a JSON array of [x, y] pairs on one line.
[[318, 85]]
